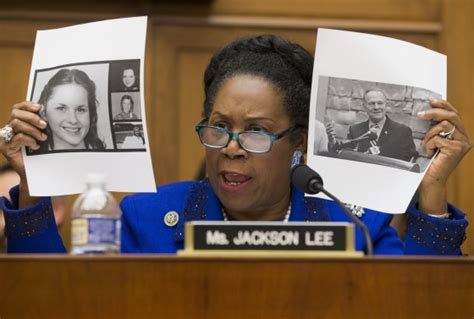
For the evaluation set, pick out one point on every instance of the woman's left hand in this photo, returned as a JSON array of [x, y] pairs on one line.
[[452, 148]]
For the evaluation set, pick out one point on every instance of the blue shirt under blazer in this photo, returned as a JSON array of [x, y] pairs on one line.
[[33, 229]]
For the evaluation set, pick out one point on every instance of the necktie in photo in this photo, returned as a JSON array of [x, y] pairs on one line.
[[375, 128]]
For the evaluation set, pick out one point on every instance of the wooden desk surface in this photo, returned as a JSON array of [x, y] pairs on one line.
[[155, 286]]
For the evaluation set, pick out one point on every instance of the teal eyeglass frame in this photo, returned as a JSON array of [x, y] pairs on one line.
[[236, 136]]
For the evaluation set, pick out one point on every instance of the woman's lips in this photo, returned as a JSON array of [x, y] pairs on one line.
[[234, 182], [72, 130]]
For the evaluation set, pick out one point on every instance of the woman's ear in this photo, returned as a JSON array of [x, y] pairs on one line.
[[302, 141]]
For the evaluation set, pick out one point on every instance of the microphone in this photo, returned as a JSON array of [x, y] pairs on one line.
[[310, 182], [373, 136], [369, 135], [306, 179]]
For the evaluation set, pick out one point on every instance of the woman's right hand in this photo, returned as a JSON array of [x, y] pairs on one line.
[[27, 126]]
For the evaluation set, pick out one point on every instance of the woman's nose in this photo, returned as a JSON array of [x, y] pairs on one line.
[[234, 150], [72, 117]]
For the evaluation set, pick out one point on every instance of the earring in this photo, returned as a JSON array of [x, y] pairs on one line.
[[298, 158]]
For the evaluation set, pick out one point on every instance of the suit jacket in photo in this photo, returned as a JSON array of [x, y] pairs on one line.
[[395, 140]]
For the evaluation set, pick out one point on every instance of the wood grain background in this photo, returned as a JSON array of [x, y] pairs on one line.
[[144, 286]]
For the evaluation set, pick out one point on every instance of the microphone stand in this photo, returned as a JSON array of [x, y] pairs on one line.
[[311, 182], [357, 221], [369, 135]]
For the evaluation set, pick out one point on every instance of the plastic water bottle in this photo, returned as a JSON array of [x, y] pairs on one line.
[[96, 223]]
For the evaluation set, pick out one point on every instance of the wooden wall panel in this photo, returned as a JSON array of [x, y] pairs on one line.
[[14, 68], [405, 10], [191, 66], [457, 42], [402, 10]]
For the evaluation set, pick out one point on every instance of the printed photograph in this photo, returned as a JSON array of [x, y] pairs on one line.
[[74, 101], [372, 122], [126, 106], [125, 76], [129, 135]]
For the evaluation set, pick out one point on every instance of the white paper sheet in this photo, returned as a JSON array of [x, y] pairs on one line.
[[347, 64], [115, 142]]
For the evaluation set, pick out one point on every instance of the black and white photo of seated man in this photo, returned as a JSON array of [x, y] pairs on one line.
[[379, 135], [135, 140], [129, 135]]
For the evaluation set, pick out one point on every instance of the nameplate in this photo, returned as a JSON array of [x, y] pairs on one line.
[[304, 238]]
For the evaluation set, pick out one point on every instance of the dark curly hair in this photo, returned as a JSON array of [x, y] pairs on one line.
[[286, 65]]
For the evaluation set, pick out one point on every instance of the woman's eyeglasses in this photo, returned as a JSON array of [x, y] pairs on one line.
[[251, 141]]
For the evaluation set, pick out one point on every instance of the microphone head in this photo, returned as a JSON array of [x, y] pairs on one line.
[[373, 136], [306, 179]]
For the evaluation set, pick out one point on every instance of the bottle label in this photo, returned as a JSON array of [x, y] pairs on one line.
[[97, 230], [79, 231]]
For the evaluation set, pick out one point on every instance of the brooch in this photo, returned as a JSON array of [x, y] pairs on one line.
[[356, 210]]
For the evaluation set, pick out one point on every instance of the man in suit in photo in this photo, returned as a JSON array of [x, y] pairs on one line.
[[379, 135]]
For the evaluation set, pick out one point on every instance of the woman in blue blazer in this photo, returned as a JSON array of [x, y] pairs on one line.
[[255, 116]]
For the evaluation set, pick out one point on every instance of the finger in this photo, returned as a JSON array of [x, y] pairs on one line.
[[439, 115], [20, 115], [432, 145], [20, 140], [438, 103], [451, 147], [20, 126], [28, 106], [443, 126]]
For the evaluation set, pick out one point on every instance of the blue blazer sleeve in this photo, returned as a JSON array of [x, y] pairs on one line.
[[32, 229], [426, 235]]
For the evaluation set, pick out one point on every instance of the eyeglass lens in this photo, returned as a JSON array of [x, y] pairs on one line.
[[214, 137], [255, 141], [250, 141]]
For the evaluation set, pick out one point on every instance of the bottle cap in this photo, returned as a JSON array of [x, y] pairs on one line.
[[95, 179]]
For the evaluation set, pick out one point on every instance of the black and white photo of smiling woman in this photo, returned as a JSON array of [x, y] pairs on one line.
[[69, 106]]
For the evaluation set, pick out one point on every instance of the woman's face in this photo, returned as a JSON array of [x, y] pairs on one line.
[[254, 185], [128, 77], [126, 105], [67, 114]]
